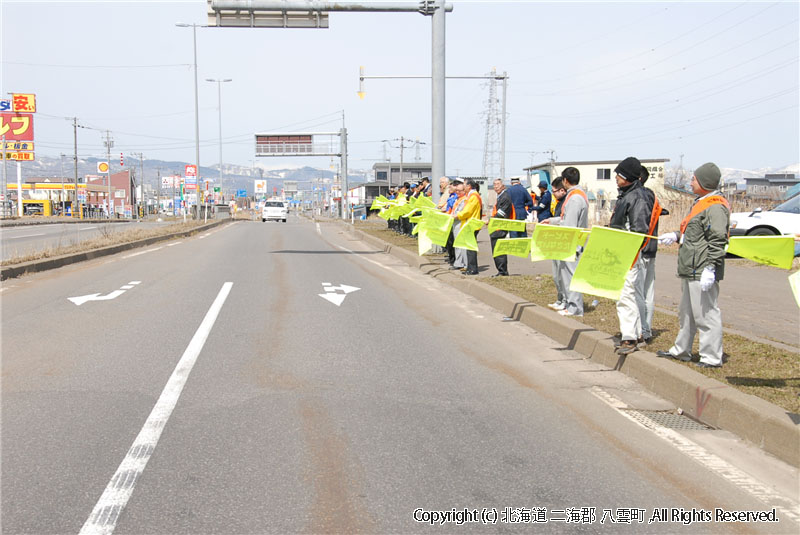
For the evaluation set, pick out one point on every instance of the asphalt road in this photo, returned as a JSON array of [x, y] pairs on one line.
[[205, 386], [28, 239]]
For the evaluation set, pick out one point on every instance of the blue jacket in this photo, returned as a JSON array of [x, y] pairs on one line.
[[542, 207], [521, 200]]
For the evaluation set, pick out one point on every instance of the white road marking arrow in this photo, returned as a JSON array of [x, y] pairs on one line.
[[332, 292], [96, 297]]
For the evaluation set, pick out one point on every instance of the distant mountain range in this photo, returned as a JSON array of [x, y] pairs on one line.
[[234, 176], [734, 175], [241, 177]]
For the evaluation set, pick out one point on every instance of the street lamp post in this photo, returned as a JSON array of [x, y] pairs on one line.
[[196, 109], [219, 82]]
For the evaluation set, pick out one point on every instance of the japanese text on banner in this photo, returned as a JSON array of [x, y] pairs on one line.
[[554, 243], [514, 246]]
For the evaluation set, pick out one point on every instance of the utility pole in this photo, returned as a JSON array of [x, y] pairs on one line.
[[158, 198], [6, 200], [63, 207], [140, 198], [401, 159], [75, 203], [109, 143]]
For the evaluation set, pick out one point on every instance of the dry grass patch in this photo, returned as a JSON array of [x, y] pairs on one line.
[[752, 367], [107, 238]]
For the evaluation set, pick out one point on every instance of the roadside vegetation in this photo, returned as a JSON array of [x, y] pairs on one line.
[[755, 368]]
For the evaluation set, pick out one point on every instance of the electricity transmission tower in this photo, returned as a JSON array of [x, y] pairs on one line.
[[493, 136]]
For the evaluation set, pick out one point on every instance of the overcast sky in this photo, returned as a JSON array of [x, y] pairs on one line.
[[711, 81]]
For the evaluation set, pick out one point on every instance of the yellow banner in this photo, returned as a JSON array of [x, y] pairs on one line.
[[379, 202], [466, 235], [554, 243], [424, 243], [440, 221], [777, 251], [496, 223], [794, 282], [514, 246], [605, 262], [424, 202]]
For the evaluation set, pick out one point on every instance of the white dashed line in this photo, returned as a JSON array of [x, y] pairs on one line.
[[24, 236], [143, 252], [87, 228], [104, 516], [176, 243]]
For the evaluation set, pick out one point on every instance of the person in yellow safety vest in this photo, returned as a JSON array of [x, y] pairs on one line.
[[473, 209], [460, 254], [702, 237]]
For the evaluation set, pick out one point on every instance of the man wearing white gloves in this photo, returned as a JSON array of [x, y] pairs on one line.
[[701, 264]]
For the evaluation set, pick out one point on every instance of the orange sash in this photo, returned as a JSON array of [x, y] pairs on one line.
[[570, 194], [701, 206], [654, 215]]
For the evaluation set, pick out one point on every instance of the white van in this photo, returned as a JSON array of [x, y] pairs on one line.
[[274, 210]]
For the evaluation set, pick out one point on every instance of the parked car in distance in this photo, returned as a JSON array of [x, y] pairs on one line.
[[783, 219], [274, 210]]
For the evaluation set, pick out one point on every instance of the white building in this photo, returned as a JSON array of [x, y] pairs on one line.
[[598, 181]]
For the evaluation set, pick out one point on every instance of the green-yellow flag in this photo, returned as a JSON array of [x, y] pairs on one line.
[[466, 236], [605, 262], [514, 246], [794, 282], [386, 213], [554, 243], [424, 243], [379, 202], [424, 201], [777, 251], [496, 223], [438, 221]]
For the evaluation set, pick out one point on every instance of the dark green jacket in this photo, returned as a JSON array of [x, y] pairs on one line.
[[704, 243]]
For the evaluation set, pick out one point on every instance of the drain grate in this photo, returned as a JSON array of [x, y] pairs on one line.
[[667, 419]]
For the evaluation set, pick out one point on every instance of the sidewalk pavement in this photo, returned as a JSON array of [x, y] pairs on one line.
[[707, 400]]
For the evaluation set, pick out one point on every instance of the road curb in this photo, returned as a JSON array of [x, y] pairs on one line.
[[706, 400], [34, 266]]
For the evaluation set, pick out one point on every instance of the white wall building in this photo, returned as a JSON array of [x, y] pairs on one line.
[[598, 181]]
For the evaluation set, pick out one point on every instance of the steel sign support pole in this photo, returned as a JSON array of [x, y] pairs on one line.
[[438, 95]]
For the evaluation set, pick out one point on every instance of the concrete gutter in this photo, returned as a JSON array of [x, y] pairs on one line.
[[44, 264], [707, 400]]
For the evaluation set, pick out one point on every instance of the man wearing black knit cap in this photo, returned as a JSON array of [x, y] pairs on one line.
[[701, 263], [632, 213]]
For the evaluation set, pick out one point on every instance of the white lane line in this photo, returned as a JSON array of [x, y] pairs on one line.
[[135, 282], [126, 287], [712, 462], [104, 516], [24, 236], [319, 231], [143, 252], [176, 243], [87, 228], [387, 268]]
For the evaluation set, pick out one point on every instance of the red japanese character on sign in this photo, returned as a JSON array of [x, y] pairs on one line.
[[16, 126], [24, 103]]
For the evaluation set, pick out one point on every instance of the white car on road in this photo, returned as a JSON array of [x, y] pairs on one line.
[[783, 219], [274, 210]]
